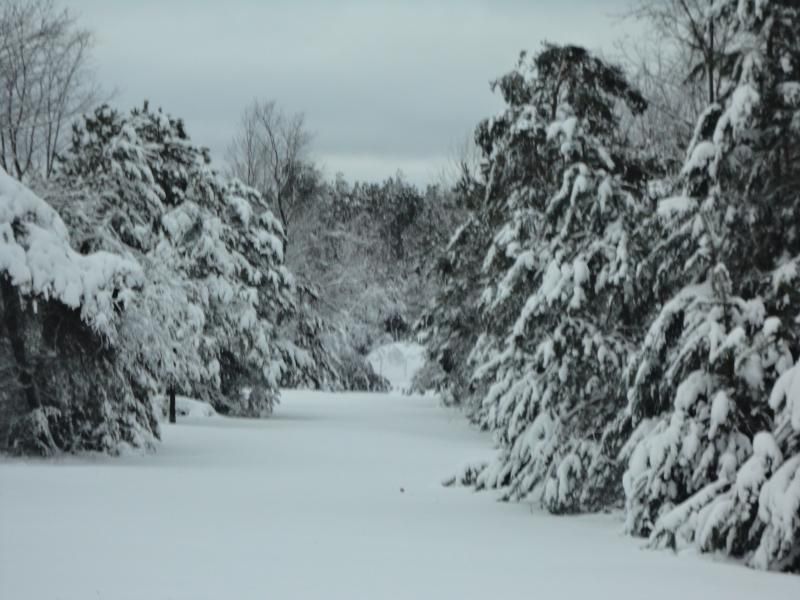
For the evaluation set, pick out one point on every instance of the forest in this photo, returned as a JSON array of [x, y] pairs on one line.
[[606, 282]]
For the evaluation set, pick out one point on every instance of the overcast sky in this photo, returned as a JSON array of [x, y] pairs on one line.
[[384, 85]]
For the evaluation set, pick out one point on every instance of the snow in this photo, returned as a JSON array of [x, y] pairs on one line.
[[336, 497], [398, 362], [790, 92], [786, 394], [771, 326], [720, 408], [676, 204], [696, 385], [580, 271], [764, 445], [565, 127], [702, 155], [779, 505], [185, 407], [36, 255], [242, 207], [188, 407], [744, 101]]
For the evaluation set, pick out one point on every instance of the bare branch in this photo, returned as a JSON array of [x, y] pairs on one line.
[[45, 82], [269, 153]]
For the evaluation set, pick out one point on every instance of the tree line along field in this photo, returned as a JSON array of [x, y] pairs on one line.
[[608, 283]]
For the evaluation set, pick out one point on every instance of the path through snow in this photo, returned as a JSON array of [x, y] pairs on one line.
[[336, 497]]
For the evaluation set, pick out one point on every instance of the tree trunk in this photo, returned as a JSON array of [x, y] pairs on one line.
[[710, 66], [12, 321]]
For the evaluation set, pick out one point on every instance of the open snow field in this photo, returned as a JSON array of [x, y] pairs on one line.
[[336, 497]]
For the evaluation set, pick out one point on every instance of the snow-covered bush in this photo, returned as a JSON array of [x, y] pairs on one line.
[[62, 313]]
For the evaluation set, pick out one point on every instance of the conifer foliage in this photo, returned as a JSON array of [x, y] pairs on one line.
[[212, 253], [61, 386], [624, 319], [633, 343], [557, 278], [714, 459]]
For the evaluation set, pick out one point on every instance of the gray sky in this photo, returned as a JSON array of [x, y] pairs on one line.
[[384, 85]]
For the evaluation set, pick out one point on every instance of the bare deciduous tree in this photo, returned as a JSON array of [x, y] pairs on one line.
[[463, 160], [673, 104], [694, 29], [270, 154], [44, 82]]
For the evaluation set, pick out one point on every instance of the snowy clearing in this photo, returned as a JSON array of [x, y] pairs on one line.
[[337, 496]]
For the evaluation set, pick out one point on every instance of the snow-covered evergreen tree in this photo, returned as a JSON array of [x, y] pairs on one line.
[[105, 189], [450, 327], [61, 315], [232, 252], [561, 276], [713, 460], [557, 297], [208, 320]]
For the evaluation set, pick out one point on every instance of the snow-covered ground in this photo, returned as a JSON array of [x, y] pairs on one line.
[[337, 496]]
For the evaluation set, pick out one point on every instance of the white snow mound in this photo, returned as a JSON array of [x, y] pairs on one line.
[[36, 256], [398, 362], [185, 407]]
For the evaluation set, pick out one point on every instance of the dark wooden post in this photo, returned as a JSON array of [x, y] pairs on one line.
[[172, 418], [172, 385]]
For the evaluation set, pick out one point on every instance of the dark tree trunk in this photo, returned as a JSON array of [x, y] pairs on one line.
[[12, 322], [710, 66]]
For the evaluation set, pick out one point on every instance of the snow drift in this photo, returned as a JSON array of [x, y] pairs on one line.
[[398, 362]]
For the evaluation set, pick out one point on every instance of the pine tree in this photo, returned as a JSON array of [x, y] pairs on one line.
[[60, 317], [557, 292], [450, 327], [208, 320], [713, 460]]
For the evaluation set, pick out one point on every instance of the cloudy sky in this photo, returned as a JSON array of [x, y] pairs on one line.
[[384, 85]]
